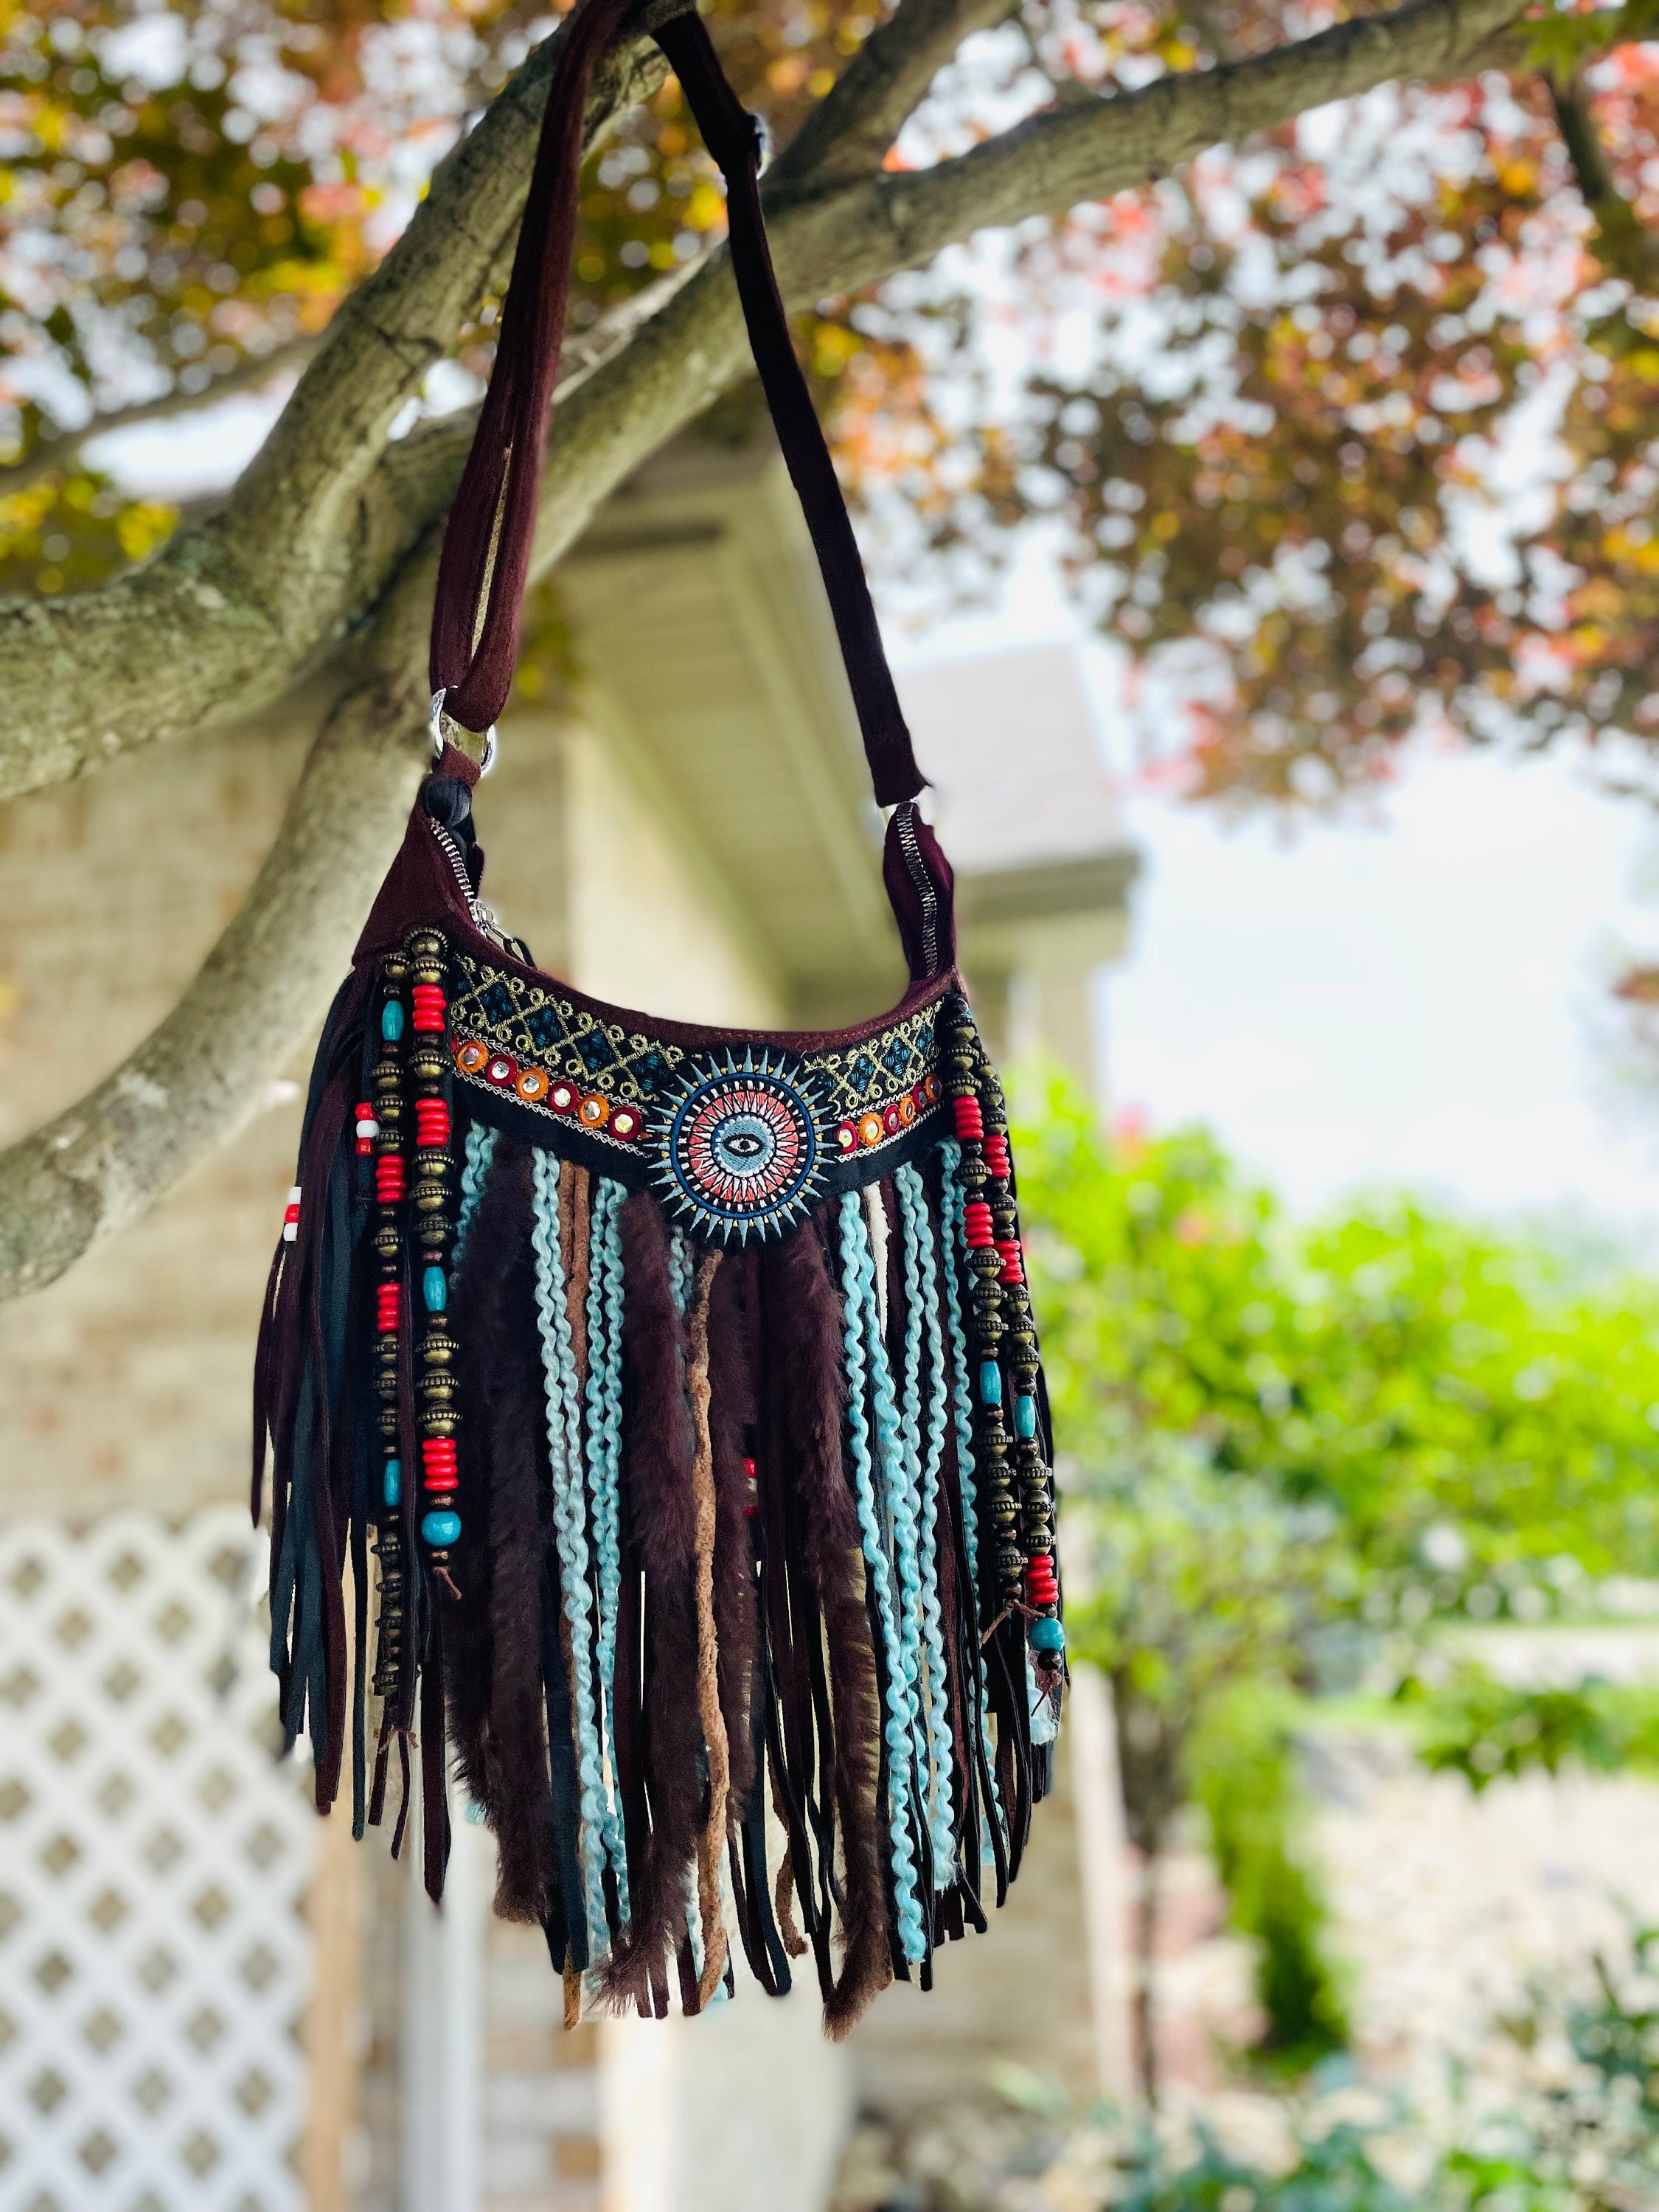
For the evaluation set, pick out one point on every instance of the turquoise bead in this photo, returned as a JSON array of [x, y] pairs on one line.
[[440, 1528], [435, 1290], [392, 1489], [392, 1020], [1025, 1416], [1047, 1636], [990, 1383]]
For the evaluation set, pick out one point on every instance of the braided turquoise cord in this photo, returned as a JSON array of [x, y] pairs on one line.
[[905, 1503], [682, 1271], [921, 1295], [897, 1461], [858, 1286], [952, 1241], [605, 1310], [949, 1153], [564, 1452], [480, 1151]]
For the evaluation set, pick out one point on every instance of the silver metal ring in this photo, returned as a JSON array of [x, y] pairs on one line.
[[436, 725]]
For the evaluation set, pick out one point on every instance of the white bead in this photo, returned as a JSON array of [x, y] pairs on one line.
[[368, 1127]]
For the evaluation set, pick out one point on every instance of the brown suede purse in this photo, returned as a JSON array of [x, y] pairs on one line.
[[683, 1380]]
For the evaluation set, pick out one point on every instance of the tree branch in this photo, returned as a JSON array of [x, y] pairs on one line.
[[61, 449], [1623, 244], [198, 1076], [1092, 149], [841, 239], [204, 1072], [874, 96], [229, 613]]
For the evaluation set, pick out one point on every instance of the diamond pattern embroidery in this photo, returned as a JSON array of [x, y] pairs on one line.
[[898, 1058], [510, 1015], [495, 1003], [593, 1049], [543, 1026]]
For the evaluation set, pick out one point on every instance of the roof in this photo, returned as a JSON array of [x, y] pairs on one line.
[[711, 661], [1008, 741]]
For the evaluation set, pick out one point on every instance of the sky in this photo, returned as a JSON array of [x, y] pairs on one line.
[[1417, 998]]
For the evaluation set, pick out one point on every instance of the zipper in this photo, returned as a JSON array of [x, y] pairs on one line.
[[925, 889], [484, 920]]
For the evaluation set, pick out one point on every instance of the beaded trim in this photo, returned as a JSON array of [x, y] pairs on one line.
[[812, 1121]]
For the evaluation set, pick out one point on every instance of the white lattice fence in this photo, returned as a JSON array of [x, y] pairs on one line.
[[154, 1965]]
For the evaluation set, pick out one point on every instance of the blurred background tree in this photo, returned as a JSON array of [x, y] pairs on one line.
[[1340, 440], [1293, 1453]]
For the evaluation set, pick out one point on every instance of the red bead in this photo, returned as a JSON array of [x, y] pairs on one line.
[[976, 1223], [441, 1482], [437, 1458], [1013, 1261], [431, 1124], [969, 1121], [428, 1005], [389, 1178], [996, 1154], [388, 1298]]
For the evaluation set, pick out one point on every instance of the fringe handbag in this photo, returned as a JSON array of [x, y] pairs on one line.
[[683, 1380]]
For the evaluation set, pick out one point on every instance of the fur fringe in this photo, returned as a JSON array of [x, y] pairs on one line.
[[809, 1349], [727, 1636]]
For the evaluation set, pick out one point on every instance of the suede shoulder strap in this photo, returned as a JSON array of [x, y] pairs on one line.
[[486, 546]]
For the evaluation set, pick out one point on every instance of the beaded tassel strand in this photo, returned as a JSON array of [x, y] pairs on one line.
[[391, 1167], [1033, 1479], [1021, 1526], [961, 1056], [438, 1415]]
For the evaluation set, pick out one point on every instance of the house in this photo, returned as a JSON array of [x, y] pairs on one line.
[[210, 1998]]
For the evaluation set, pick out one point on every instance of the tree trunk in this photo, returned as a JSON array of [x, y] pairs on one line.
[[1147, 1903]]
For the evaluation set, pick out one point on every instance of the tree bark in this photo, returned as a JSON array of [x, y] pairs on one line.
[[333, 531], [232, 612], [1148, 1903]]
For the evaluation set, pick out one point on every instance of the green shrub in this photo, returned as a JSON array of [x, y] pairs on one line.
[[1243, 1774]]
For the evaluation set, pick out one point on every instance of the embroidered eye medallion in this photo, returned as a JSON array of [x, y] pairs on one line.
[[742, 1148]]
